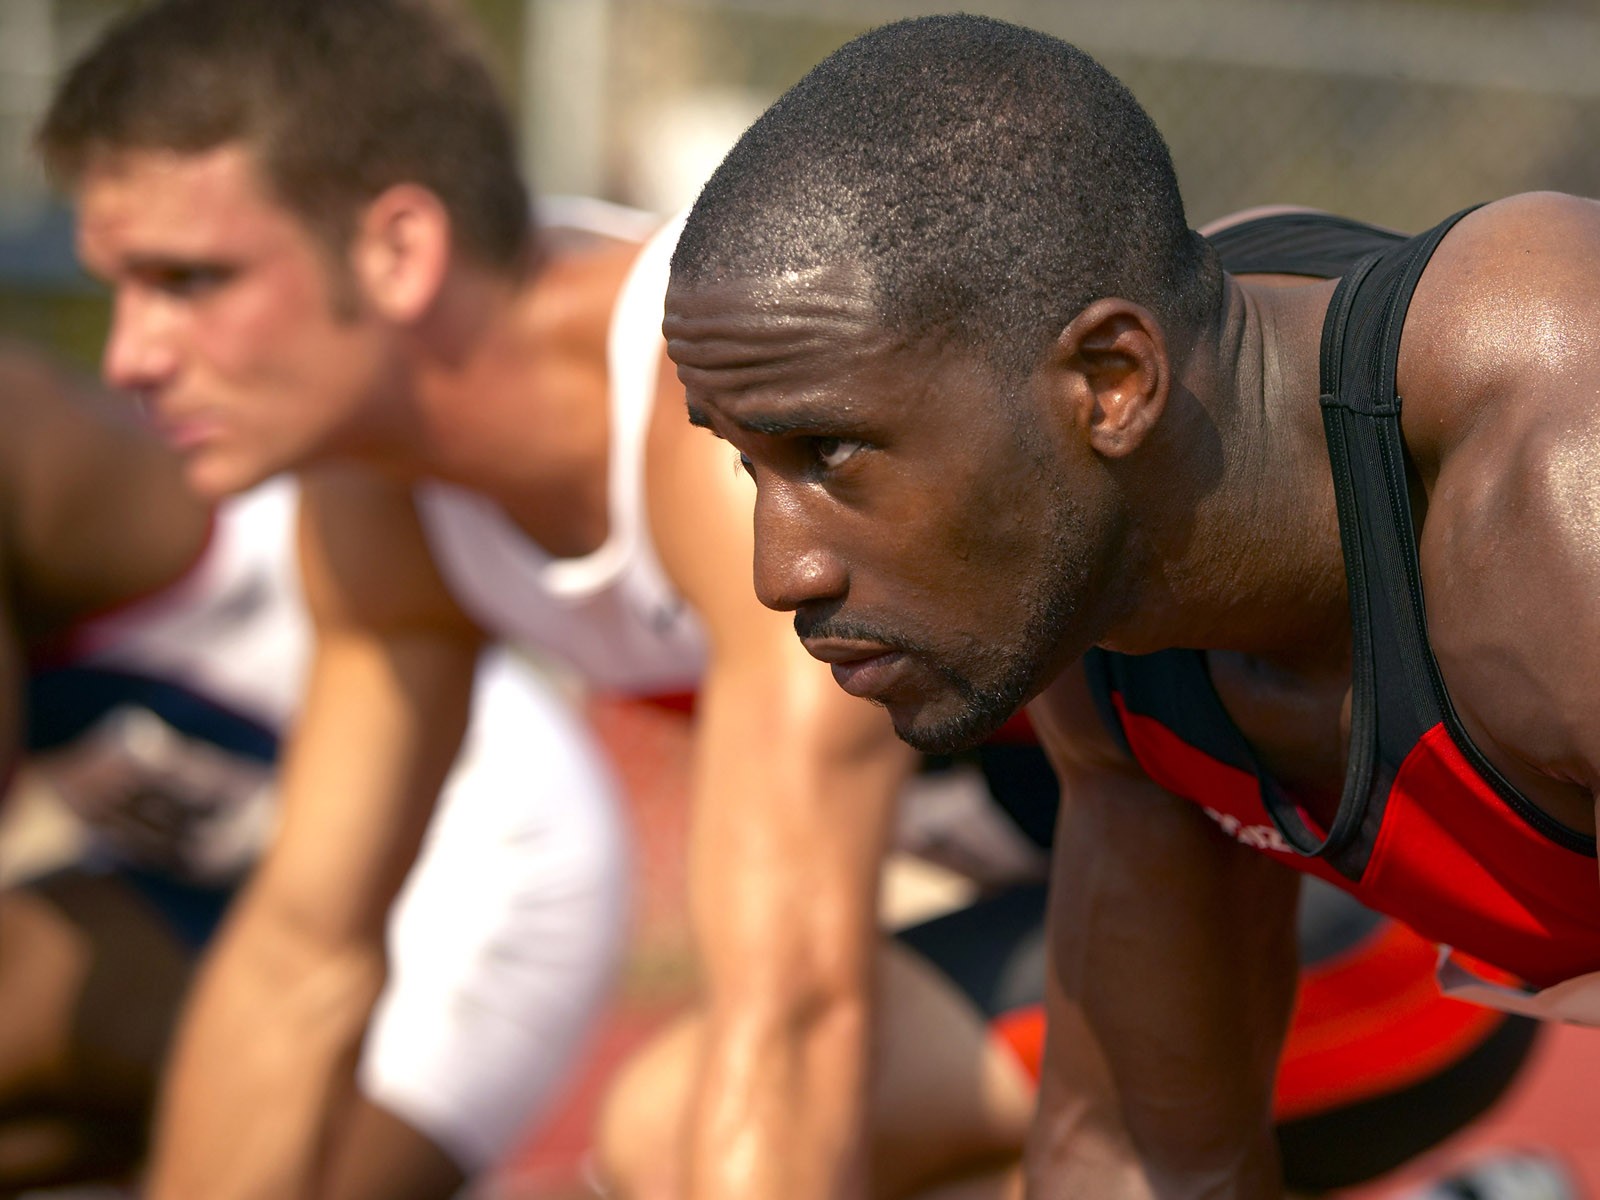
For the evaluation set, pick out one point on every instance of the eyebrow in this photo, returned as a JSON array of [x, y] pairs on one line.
[[820, 419], [141, 263]]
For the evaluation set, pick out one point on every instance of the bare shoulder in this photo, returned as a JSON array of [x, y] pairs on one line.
[[96, 508], [365, 557], [579, 290], [1500, 360], [1499, 377], [38, 404], [1509, 306]]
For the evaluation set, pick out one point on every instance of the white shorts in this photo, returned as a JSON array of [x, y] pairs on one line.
[[506, 935]]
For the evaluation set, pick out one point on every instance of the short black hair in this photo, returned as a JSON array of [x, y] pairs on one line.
[[992, 180], [339, 98]]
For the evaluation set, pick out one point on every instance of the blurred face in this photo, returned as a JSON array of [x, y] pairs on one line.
[[914, 512], [224, 319]]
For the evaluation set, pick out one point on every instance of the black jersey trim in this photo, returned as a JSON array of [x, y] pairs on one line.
[[1317, 244], [1367, 453], [1097, 673], [1172, 688]]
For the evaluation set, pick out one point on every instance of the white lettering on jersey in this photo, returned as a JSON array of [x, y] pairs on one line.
[[163, 799], [1257, 837]]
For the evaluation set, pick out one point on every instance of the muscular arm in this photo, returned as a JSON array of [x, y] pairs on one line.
[[93, 513], [97, 512], [794, 785], [1171, 976], [264, 1059], [1499, 368]]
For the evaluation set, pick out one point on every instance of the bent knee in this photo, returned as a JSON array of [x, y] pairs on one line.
[[639, 1142], [43, 963]]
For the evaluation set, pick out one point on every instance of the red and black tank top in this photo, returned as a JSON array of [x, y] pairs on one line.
[[1427, 830]]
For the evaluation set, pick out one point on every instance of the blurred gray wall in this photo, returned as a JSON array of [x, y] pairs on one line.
[[1398, 111]]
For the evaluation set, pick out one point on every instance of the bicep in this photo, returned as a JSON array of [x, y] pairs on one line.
[[379, 728], [1509, 569], [794, 792]]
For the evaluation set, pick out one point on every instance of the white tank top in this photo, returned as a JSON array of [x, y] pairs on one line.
[[159, 724], [234, 628], [611, 615]]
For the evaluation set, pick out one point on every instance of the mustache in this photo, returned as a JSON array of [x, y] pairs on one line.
[[832, 626]]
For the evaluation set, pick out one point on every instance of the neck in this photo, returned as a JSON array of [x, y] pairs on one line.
[[508, 390], [1244, 554]]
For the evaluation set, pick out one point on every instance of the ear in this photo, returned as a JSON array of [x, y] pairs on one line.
[[1113, 362], [401, 251]]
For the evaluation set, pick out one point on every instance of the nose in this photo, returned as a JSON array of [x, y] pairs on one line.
[[139, 354], [793, 567]]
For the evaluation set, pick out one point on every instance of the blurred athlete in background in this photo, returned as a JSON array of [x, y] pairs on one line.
[[330, 261], [155, 649]]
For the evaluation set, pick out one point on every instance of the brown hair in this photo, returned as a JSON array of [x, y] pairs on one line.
[[339, 98]]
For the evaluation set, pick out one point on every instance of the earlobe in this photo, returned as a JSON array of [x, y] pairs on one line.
[[1114, 357], [401, 251]]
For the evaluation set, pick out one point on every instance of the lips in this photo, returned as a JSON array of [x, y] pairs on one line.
[[187, 432], [865, 669]]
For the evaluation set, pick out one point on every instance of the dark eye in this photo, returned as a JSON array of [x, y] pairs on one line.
[[835, 452], [189, 281], [742, 463]]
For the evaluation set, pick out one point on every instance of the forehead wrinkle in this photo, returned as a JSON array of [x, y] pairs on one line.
[[753, 320], [716, 340], [779, 361], [734, 376]]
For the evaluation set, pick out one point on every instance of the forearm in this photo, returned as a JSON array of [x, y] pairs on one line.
[[785, 860], [1168, 993], [1157, 1122], [780, 1110], [263, 1064], [779, 1105], [262, 1073], [1079, 1151], [1064, 1173]]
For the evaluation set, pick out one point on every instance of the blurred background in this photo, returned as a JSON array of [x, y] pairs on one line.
[[1396, 111]]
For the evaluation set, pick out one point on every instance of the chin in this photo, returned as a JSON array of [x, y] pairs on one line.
[[216, 477], [951, 733], [965, 713]]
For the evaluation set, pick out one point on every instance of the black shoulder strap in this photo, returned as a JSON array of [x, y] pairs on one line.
[[1316, 244], [1361, 417], [1097, 671]]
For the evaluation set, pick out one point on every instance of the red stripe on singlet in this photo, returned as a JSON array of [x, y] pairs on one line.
[[678, 702], [1365, 1024], [1451, 858], [1371, 1022], [1022, 1031]]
